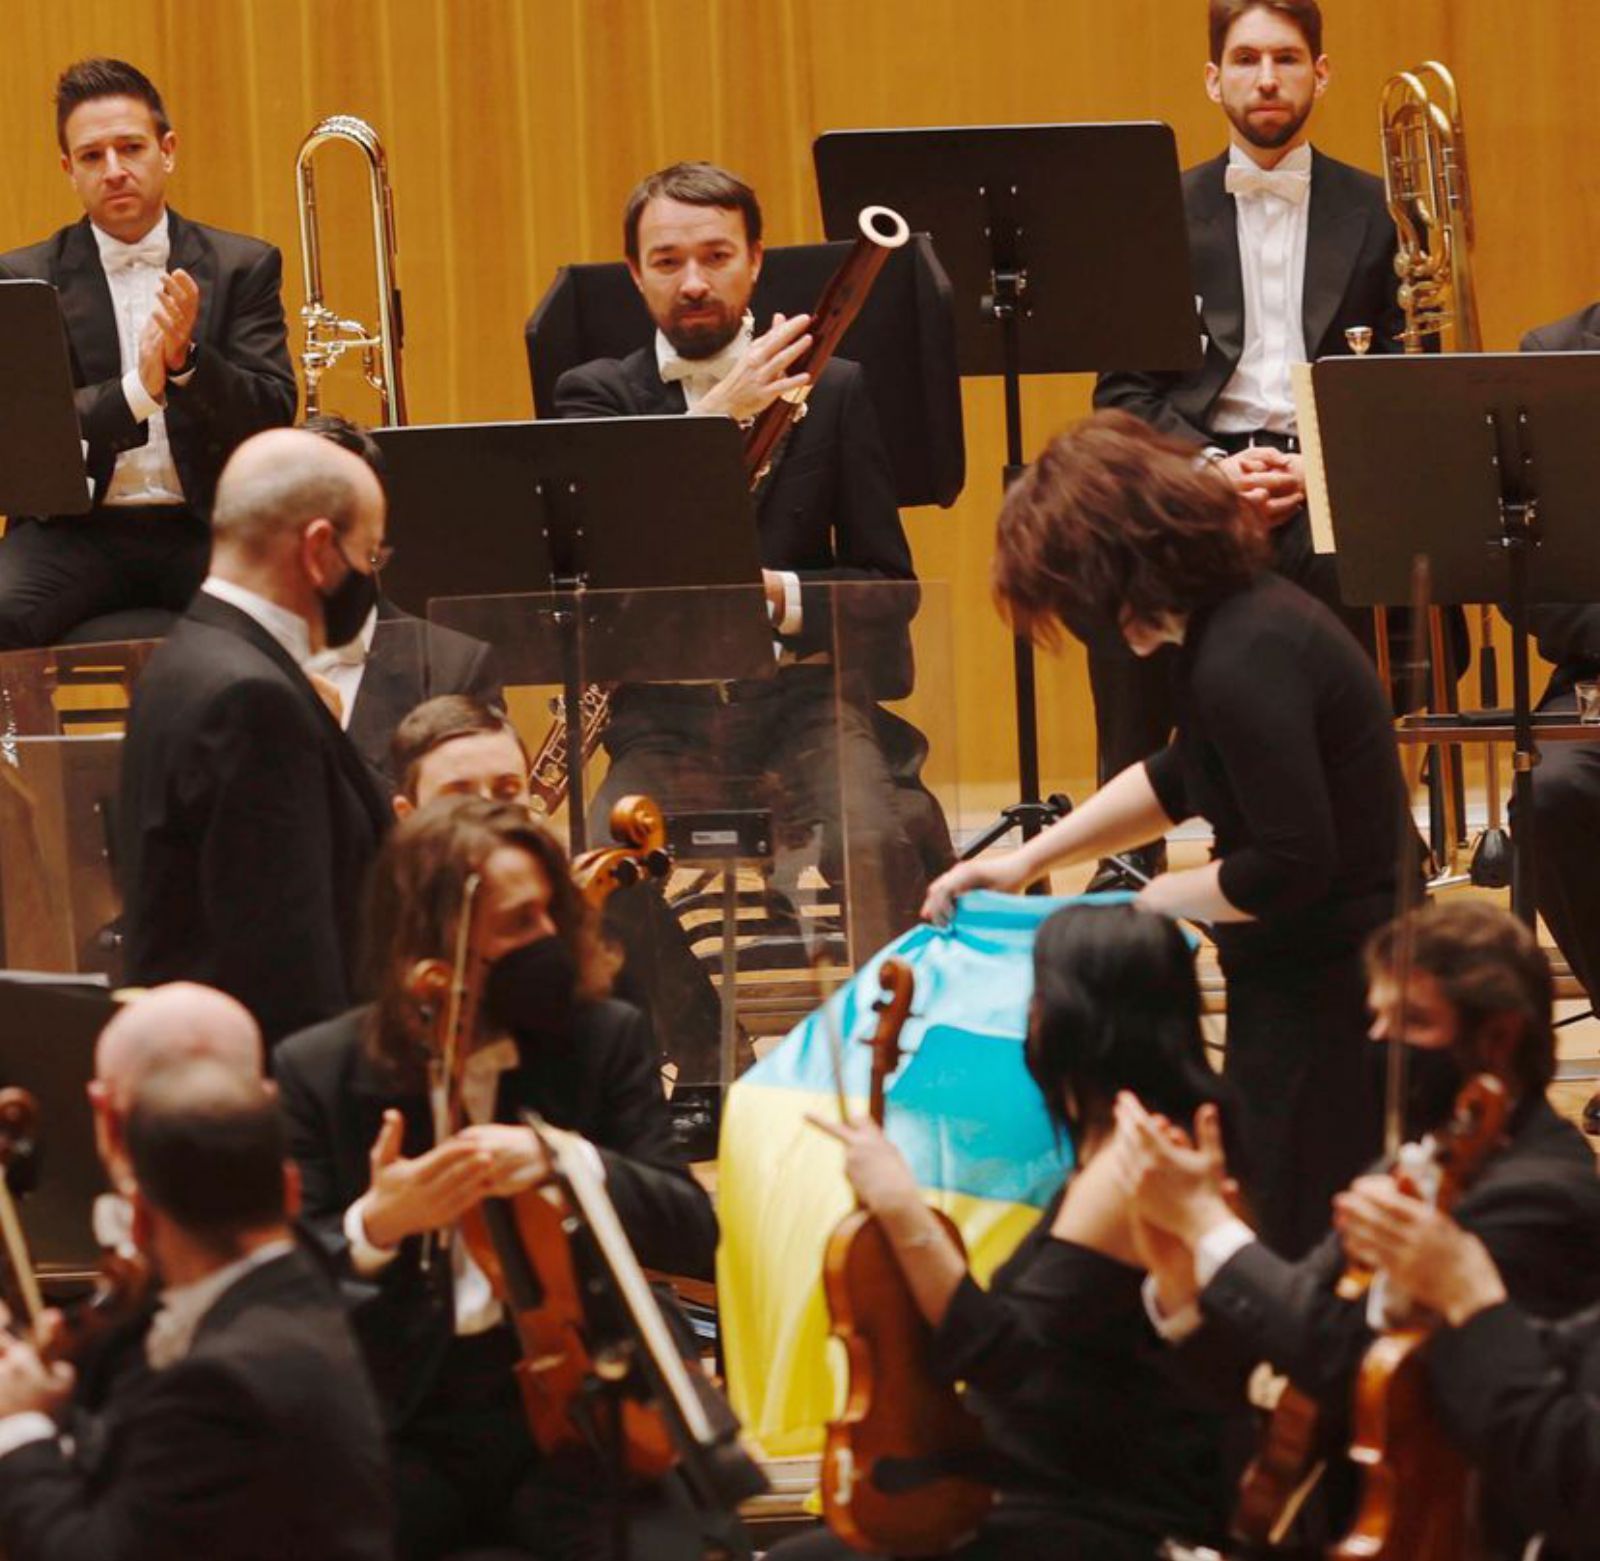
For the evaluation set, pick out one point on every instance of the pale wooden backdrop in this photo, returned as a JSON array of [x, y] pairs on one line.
[[516, 127]]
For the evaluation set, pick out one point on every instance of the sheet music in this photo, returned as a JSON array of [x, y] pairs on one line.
[[1317, 503]]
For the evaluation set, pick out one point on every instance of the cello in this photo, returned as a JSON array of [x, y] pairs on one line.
[[892, 1466]]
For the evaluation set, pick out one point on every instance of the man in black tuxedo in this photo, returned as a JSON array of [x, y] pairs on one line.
[[248, 1432], [179, 353], [247, 819], [380, 1187], [692, 233], [1290, 251], [1478, 997], [1522, 1396], [1566, 784]]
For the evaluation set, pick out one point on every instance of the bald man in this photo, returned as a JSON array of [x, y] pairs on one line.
[[248, 820]]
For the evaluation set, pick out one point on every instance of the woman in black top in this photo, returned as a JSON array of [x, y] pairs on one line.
[[1096, 1449], [1284, 744]]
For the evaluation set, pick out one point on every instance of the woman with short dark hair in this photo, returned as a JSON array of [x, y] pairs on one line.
[[1094, 1447], [1284, 744]]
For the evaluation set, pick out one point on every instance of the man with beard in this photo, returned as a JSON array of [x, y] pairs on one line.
[[387, 1184], [692, 234], [1290, 250], [1477, 998]]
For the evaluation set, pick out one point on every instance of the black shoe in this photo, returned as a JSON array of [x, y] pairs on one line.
[[1111, 877], [1591, 1116]]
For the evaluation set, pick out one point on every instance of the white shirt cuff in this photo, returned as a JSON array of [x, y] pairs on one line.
[[592, 1158], [19, 1430], [141, 403], [1176, 1328], [788, 621], [366, 1259], [1215, 1248]]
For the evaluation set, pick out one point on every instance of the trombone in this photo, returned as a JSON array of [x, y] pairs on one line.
[[329, 336]]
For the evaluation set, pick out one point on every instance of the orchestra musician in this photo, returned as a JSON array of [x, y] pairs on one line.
[[395, 660], [179, 353], [1478, 998], [692, 235], [1289, 249], [378, 1181], [1566, 784], [1284, 744], [1097, 1450], [250, 1432], [247, 819], [457, 746], [1520, 1394]]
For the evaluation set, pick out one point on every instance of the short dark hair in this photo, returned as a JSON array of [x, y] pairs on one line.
[[1114, 515], [436, 722], [1116, 1006], [349, 435], [1305, 14], [695, 184], [1486, 962], [207, 1147], [105, 78], [414, 901]]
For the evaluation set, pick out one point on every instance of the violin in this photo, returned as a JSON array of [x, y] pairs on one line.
[[640, 831], [1416, 1485], [123, 1280], [597, 1367], [891, 1466]]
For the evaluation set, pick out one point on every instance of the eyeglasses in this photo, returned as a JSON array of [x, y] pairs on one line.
[[378, 559]]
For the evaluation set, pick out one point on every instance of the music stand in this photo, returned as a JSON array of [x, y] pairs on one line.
[[556, 509], [1068, 252], [41, 449], [1488, 464]]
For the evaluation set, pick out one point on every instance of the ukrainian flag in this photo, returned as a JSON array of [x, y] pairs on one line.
[[961, 1107]]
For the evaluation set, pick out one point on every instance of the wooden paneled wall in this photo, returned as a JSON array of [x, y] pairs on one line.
[[516, 127]]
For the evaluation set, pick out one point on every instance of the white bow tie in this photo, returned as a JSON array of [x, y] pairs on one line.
[[151, 251], [675, 367], [1287, 184]]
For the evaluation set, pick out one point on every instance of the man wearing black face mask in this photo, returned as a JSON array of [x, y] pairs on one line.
[[1477, 998], [247, 819], [379, 1182]]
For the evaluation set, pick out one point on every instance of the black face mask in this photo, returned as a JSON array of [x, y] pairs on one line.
[[530, 991], [345, 607], [1433, 1080]]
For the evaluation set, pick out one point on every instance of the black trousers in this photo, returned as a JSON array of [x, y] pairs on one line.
[[788, 744], [1308, 1081], [1566, 810], [56, 574], [469, 1479]]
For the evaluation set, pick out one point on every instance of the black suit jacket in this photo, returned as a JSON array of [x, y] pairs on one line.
[[412, 660], [263, 1442], [243, 381], [246, 826], [1569, 632], [1349, 281], [827, 512], [1523, 1397], [604, 1084]]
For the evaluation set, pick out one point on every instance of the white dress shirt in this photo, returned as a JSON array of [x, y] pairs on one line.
[[287, 628], [146, 475], [700, 375], [344, 666], [1272, 257]]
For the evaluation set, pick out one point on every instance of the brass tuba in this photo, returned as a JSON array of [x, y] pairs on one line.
[[328, 336], [1430, 199]]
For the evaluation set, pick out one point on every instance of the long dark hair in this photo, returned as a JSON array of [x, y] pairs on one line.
[[1116, 1006], [418, 884]]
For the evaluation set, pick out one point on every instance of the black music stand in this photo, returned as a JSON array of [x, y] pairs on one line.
[[1068, 252], [1488, 464], [41, 449], [557, 510]]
